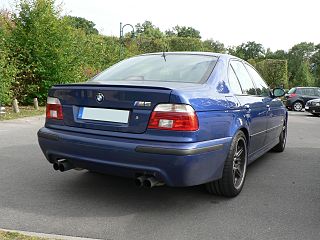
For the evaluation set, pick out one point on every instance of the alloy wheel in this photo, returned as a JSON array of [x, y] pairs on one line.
[[297, 106], [239, 163]]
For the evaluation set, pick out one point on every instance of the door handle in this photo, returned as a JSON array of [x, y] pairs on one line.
[[268, 107], [247, 107]]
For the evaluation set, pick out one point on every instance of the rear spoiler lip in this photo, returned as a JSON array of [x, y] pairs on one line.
[[77, 85]]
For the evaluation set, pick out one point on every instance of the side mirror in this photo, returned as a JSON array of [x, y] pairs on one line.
[[278, 92]]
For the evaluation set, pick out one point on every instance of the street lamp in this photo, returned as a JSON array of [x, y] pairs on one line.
[[121, 35]]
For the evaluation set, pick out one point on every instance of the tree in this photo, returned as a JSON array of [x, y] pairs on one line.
[[249, 50], [147, 29], [45, 48], [315, 66], [213, 46], [183, 31], [303, 76], [81, 23], [298, 56], [279, 54], [7, 64]]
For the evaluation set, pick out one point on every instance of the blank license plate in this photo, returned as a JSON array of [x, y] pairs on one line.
[[103, 114]]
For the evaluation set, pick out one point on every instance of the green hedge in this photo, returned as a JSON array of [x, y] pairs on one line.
[[274, 72]]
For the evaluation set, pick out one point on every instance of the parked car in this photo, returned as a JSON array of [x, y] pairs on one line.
[[313, 106], [179, 119], [297, 97]]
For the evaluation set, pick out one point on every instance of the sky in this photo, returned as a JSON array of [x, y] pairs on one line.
[[276, 24]]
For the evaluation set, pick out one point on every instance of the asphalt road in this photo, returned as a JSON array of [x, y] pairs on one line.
[[280, 199]]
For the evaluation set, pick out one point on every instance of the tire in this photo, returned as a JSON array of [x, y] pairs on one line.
[[282, 140], [297, 106], [234, 171]]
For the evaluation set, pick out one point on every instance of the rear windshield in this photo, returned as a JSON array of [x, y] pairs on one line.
[[292, 90], [161, 67]]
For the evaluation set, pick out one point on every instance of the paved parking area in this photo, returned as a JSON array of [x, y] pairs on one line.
[[280, 200]]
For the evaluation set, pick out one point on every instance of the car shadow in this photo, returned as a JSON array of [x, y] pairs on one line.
[[87, 194]]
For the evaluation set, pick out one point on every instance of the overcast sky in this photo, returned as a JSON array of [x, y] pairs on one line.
[[277, 24]]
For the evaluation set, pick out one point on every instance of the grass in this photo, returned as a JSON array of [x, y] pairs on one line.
[[17, 236], [25, 111]]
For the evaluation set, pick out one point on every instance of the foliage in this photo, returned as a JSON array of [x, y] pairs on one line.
[[315, 66], [279, 54], [147, 29], [183, 31], [249, 50], [184, 44], [7, 66], [213, 46], [298, 58], [45, 48], [81, 23], [274, 72], [303, 76]]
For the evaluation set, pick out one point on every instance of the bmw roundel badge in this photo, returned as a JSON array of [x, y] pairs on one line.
[[99, 97]]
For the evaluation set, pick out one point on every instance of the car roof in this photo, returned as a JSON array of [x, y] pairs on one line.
[[193, 53], [305, 87]]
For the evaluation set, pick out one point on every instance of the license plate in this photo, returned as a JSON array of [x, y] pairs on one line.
[[306, 107], [104, 114]]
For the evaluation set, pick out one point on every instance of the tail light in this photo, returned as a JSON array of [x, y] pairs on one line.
[[292, 95], [176, 117], [54, 108]]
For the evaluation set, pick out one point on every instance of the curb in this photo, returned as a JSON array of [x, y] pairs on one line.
[[48, 236]]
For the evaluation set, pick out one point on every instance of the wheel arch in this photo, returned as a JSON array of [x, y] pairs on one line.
[[241, 124]]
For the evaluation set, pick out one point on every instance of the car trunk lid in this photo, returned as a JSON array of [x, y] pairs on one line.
[[122, 108]]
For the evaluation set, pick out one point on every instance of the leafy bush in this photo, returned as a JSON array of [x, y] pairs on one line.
[[7, 66], [274, 72]]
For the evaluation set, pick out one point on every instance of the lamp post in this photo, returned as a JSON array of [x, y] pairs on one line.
[[121, 35]]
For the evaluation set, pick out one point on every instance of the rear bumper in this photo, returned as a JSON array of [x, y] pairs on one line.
[[177, 164]]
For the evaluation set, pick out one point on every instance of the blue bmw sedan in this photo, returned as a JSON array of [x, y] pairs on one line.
[[174, 118]]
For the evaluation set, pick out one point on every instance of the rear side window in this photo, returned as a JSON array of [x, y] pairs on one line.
[[308, 91], [161, 67], [292, 90], [261, 87], [234, 82], [244, 78], [318, 92]]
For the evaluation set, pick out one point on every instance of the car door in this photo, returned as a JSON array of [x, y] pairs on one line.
[[275, 108], [254, 106]]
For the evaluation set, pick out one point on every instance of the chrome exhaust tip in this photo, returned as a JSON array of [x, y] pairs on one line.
[[139, 181], [65, 165]]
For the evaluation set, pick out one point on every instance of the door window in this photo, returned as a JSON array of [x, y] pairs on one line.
[[234, 82], [244, 78], [261, 87]]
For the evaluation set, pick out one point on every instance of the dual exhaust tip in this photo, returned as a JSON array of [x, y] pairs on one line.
[[142, 181], [62, 166], [147, 182]]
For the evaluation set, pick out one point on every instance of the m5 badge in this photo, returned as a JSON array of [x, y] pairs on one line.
[[142, 104]]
